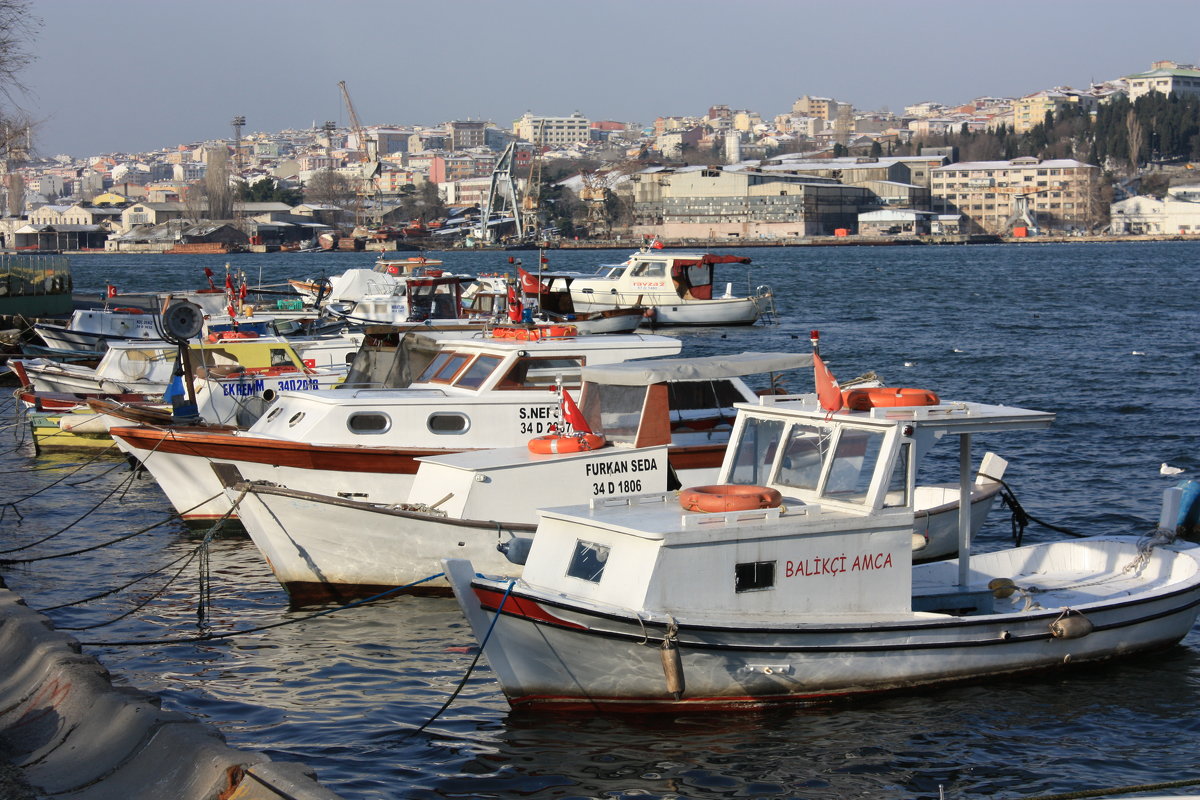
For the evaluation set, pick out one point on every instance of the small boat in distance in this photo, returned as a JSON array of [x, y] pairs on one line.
[[791, 581], [676, 287]]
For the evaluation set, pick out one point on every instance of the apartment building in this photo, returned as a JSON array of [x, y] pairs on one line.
[[1164, 77], [553, 131], [996, 196], [1031, 110], [465, 134], [1177, 213]]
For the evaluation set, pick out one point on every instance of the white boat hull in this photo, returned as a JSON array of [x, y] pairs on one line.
[[669, 309], [547, 650]]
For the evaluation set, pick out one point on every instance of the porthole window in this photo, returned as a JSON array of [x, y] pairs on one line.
[[299, 415], [275, 412], [368, 422], [448, 422]]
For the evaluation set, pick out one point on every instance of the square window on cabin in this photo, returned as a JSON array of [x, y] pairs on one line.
[[754, 576], [588, 560]]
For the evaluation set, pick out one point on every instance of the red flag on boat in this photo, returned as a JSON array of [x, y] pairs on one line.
[[208, 273], [228, 280], [829, 394], [657, 243], [514, 305], [572, 414], [529, 283]]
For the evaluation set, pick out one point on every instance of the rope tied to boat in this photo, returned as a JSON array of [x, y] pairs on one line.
[[1020, 517], [478, 654]]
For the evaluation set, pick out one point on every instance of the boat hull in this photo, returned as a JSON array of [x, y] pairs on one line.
[[329, 549], [672, 310], [557, 653]]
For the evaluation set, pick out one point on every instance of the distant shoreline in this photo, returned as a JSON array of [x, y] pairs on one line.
[[693, 244]]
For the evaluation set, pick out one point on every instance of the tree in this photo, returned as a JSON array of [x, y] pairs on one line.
[[1134, 136], [18, 29], [217, 186], [330, 188], [267, 190]]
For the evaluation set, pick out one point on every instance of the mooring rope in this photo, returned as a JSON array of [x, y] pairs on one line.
[[1120, 790], [474, 662], [172, 516], [1020, 517], [261, 628]]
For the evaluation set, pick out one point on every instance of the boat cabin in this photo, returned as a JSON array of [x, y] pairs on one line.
[[689, 276], [836, 539], [482, 390]]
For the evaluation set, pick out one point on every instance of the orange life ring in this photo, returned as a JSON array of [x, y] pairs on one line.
[[729, 497], [227, 336], [554, 443], [886, 397], [128, 310]]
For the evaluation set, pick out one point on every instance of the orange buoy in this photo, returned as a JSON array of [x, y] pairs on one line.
[[729, 497], [566, 444], [128, 310], [865, 399]]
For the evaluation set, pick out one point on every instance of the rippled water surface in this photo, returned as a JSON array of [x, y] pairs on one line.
[[1105, 335]]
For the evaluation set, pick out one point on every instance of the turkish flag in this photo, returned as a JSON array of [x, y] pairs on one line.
[[828, 392], [529, 283], [573, 415]]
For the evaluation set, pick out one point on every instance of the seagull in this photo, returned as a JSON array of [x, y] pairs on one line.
[[957, 350], [910, 363], [1138, 353], [1167, 469]]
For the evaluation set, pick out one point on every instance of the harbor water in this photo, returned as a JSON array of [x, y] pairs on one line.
[[1107, 336]]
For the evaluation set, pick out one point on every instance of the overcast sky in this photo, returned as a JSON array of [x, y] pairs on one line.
[[138, 75]]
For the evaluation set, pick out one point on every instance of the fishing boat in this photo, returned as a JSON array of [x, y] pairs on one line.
[[662, 421], [470, 391], [137, 368], [675, 287], [792, 580]]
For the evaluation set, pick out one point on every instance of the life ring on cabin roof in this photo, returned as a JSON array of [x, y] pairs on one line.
[[545, 445], [864, 399], [228, 336], [128, 310], [729, 497]]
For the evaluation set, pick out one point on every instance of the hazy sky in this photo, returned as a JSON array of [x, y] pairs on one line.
[[136, 75]]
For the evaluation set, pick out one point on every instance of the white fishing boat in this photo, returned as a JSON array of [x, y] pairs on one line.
[[324, 547], [676, 288], [474, 392], [147, 368], [91, 331], [808, 592]]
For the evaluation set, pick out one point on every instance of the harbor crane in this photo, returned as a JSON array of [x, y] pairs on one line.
[[502, 194], [369, 177]]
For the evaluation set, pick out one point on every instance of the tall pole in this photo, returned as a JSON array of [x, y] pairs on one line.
[[238, 123]]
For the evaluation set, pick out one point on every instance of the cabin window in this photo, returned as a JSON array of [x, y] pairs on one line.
[[702, 405], [803, 457], [299, 415], [756, 451], [542, 373], [447, 370], [588, 560], [653, 269], [754, 576], [474, 375], [437, 363], [368, 422], [448, 422], [275, 412], [897, 491], [279, 358], [853, 465]]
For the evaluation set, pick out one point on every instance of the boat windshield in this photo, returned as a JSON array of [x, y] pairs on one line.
[[473, 376], [543, 373], [755, 451]]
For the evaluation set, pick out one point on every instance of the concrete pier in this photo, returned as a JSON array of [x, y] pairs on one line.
[[72, 735]]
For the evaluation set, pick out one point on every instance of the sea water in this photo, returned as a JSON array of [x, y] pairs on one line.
[[1107, 336]]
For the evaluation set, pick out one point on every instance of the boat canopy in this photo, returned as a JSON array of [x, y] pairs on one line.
[[694, 369]]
